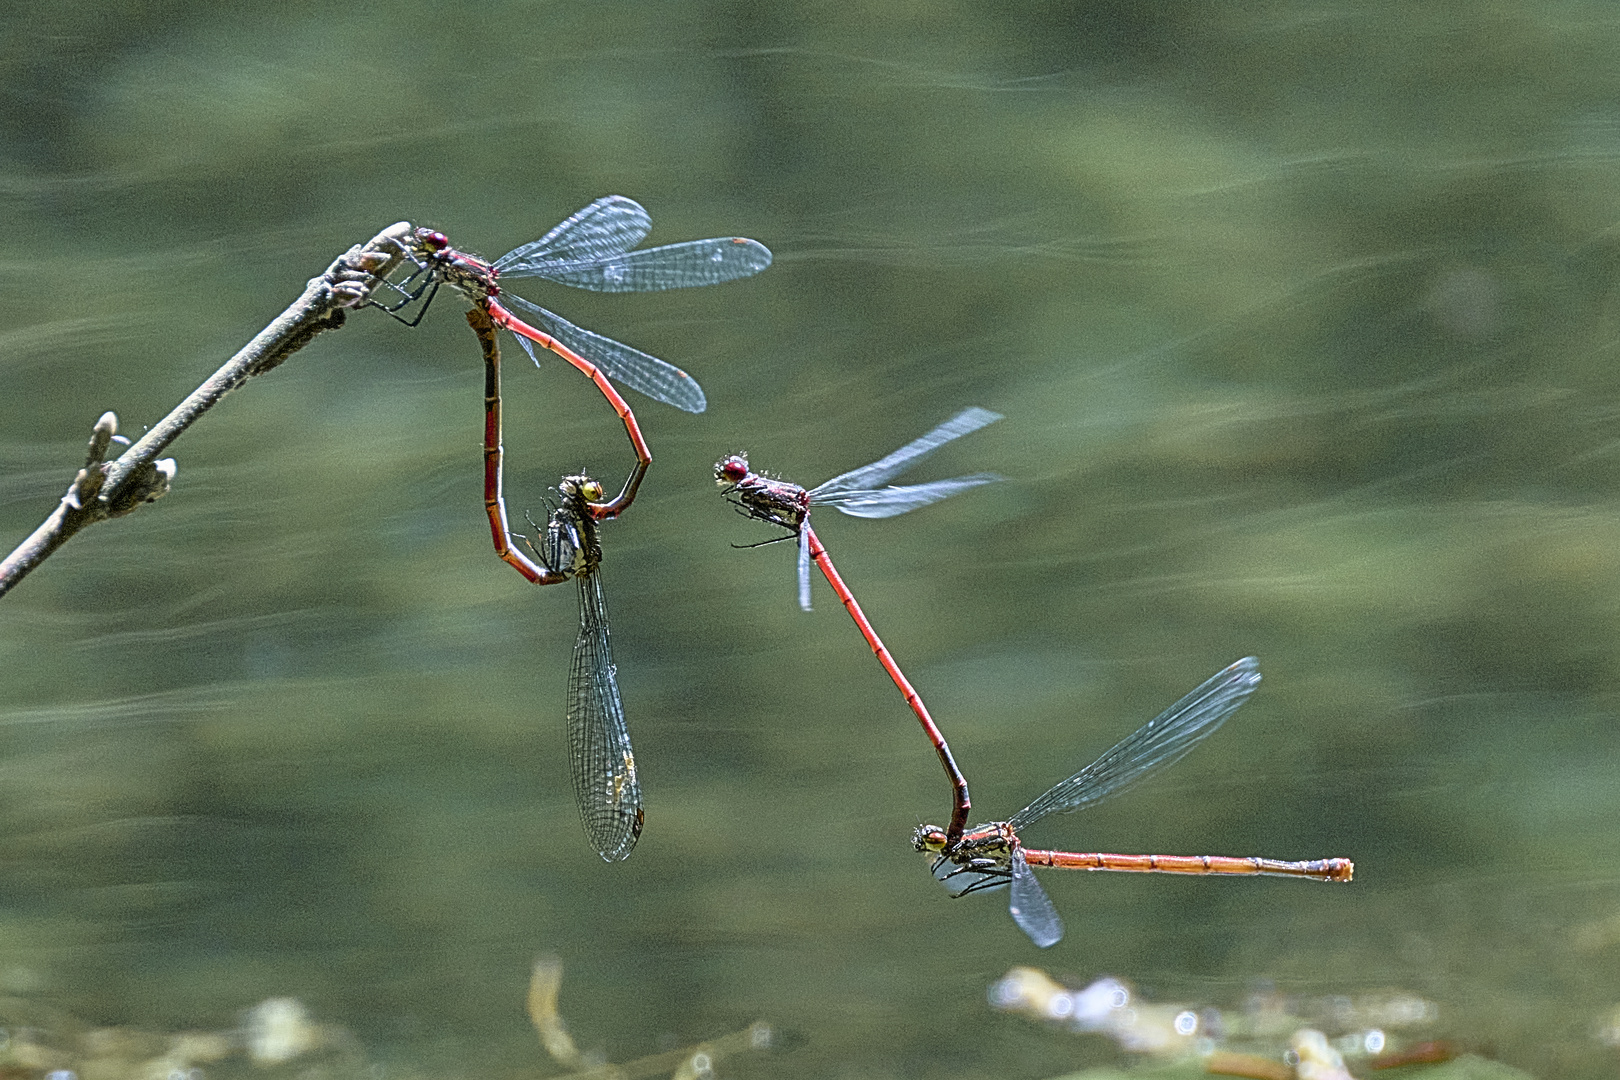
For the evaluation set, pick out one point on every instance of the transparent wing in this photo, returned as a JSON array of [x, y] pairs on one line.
[[1161, 741], [601, 230], [1030, 907], [640, 371], [673, 266], [604, 769], [879, 472], [804, 570], [890, 501]]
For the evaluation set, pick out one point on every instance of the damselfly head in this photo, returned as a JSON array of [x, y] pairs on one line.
[[929, 839], [431, 240], [731, 470], [582, 487]]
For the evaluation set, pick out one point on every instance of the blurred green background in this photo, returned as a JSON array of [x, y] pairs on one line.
[[1304, 321]]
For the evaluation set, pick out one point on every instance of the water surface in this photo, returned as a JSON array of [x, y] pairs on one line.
[[1303, 320]]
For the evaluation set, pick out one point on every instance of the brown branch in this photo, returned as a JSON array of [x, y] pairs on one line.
[[104, 489]]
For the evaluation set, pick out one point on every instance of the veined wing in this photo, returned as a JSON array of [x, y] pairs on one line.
[[603, 229], [1165, 739], [604, 769], [891, 501], [1030, 907], [640, 371], [871, 476], [672, 266]]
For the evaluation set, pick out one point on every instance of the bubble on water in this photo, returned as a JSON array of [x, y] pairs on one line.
[[1094, 1004], [1005, 993]]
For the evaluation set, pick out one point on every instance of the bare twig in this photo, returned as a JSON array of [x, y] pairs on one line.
[[105, 489]]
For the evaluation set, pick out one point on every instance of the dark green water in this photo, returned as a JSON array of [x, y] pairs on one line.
[[1304, 319]]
